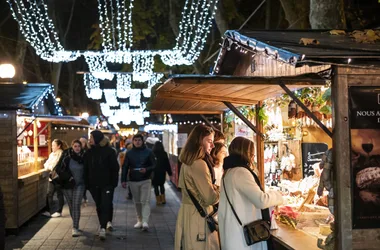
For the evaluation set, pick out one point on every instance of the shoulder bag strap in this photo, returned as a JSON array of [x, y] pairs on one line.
[[264, 212], [233, 210], [196, 203]]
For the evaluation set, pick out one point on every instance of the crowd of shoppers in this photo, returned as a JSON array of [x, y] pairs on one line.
[[212, 179]]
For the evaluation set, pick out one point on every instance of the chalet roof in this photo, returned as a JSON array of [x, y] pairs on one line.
[[287, 46], [205, 94], [25, 96]]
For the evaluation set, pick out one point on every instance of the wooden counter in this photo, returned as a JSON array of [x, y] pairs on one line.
[[293, 239]]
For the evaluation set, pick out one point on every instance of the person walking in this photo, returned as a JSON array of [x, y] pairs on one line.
[[139, 164], [159, 175], [101, 177], [241, 190], [196, 180], [57, 147], [72, 167], [85, 147]]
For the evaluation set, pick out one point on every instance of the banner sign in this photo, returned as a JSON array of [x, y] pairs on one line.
[[365, 156]]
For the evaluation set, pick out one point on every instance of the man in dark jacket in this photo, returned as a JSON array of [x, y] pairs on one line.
[[138, 165], [101, 176]]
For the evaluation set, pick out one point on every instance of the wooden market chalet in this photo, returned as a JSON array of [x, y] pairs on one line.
[[30, 118], [253, 66]]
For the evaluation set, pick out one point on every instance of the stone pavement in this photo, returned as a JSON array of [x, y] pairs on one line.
[[55, 233]]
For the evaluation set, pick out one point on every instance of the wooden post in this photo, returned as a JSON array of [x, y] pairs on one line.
[[35, 144], [342, 163], [49, 138], [260, 147]]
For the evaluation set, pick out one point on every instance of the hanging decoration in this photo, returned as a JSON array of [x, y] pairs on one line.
[[143, 63], [92, 86], [116, 30], [39, 31], [116, 26], [97, 66], [123, 85], [115, 22], [110, 95]]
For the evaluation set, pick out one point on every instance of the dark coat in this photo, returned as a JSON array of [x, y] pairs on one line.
[[65, 177], [135, 159], [162, 166], [100, 166]]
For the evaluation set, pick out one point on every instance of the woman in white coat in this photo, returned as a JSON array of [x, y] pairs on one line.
[[244, 194]]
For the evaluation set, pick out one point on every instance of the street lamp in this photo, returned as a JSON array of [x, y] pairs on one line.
[[85, 115], [7, 71]]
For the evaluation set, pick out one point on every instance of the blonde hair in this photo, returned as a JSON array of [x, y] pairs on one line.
[[242, 147], [193, 149]]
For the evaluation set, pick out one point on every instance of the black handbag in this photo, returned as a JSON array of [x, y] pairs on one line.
[[210, 220], [255, 231]]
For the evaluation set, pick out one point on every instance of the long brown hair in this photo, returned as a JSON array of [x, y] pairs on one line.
[[62, 144], [242, 147], [215, 151], [193, 149]]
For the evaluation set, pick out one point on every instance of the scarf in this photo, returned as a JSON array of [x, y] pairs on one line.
[[76, 157], [233, 161]]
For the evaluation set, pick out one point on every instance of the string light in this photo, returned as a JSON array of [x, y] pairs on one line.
[[39, 31], [116, 30], [45, 96], [143, 63], [92, 87], [97, 66], [123, 85], [135, 97], [111, 99]]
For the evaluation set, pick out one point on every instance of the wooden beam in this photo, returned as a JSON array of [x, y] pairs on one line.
[[307, 111], [260, 148], [204, 98], [342, 163], [35, 144], [208, 122], [249, 80], [243, 118], [187, 112]]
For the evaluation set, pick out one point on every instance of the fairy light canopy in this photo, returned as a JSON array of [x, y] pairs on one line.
[[115, 23]]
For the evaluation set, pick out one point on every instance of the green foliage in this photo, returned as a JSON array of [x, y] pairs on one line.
[[262, 116], [327, 110], [327, 95], [231, 11], [95, 38]]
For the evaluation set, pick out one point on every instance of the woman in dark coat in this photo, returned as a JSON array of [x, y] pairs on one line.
[[159, 177]]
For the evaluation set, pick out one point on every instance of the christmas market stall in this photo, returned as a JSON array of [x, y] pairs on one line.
[[30, 119], [319, 91]]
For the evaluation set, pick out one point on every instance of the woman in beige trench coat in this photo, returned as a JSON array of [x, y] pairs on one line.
[[192, 232]]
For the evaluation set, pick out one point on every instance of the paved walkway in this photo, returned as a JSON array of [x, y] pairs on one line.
[[44, 233]]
